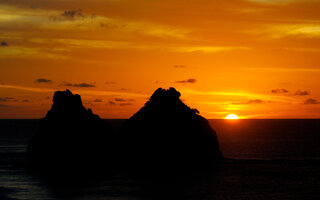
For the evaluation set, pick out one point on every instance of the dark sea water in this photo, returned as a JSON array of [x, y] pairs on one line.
[[266, 159]]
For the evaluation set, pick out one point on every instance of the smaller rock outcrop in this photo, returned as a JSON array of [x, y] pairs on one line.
[[71, 138], [166, 134]]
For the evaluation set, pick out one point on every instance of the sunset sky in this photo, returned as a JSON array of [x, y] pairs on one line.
[[253, 58]]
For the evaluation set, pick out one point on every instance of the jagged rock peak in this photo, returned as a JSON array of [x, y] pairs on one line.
[[66, 97], [166, 100], [66, 104], [166, 95]]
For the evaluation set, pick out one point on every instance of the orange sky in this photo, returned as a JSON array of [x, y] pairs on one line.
[[254, 58]]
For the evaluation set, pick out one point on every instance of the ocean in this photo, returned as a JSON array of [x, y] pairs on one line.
[[265, 159]]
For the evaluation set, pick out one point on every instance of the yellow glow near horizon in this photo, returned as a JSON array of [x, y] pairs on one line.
[[232, 116]]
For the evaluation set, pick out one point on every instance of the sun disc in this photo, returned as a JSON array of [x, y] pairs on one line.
[[232, 116]]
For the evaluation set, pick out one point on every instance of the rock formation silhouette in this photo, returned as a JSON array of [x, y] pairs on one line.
[[164, 135], [167, 135], [71, 139]]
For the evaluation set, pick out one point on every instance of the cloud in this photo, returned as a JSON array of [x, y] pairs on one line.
[[4, 44], [124, 89], [302, 30], [31, 52], [83, 92], [179, 66], [77, 84], [25, 100], [273, 2], [301, 93], [3, 105], [254, 101], [110, 82], [72, 14], [43, 80], [312, 70], [311, 101], [279, 91], [97, 100], [125, 104], [123, 100], [5, 99], [208, 49], [190, 80], [31, 89]]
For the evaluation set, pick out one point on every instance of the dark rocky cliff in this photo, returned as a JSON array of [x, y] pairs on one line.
[[167, 134], [71, 138]]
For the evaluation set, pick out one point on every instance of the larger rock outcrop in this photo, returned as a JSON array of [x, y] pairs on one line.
[[166, 134], [71, 138]]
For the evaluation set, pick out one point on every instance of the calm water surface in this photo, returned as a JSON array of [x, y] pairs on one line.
[[268, 159]]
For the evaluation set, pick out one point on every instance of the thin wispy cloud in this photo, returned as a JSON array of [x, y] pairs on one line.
[[274, 2], [123, 100], [43, 80], [110, 82], [82, 91], [286, 69], [277, 31], [253, 101], [30, 89], [126, 104], [97, 100], [77, 84], [302, 93], [31, 53], [180, 66], [190, 80], [247, 95], [208, 49], [279, 91], [5, 99]]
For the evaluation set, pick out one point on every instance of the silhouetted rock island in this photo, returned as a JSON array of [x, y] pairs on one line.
[[166, 134], [163, 136], [71, 138]]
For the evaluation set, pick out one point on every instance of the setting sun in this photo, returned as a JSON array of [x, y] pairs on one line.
[[232, 116]]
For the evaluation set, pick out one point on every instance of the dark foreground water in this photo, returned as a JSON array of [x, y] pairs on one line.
[[267, 159]]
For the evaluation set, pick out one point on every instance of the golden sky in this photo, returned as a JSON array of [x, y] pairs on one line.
[[254, 58]]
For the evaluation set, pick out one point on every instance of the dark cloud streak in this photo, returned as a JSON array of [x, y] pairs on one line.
[[311, 101], [190, 80], [279, 91], [254, 101], [302, 93], [180, 66], [72, 14], [76, 84], [97, 100], [123, 100], [6, 99], [110, 82], [125, 104], [4, 44], [43, 80]]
